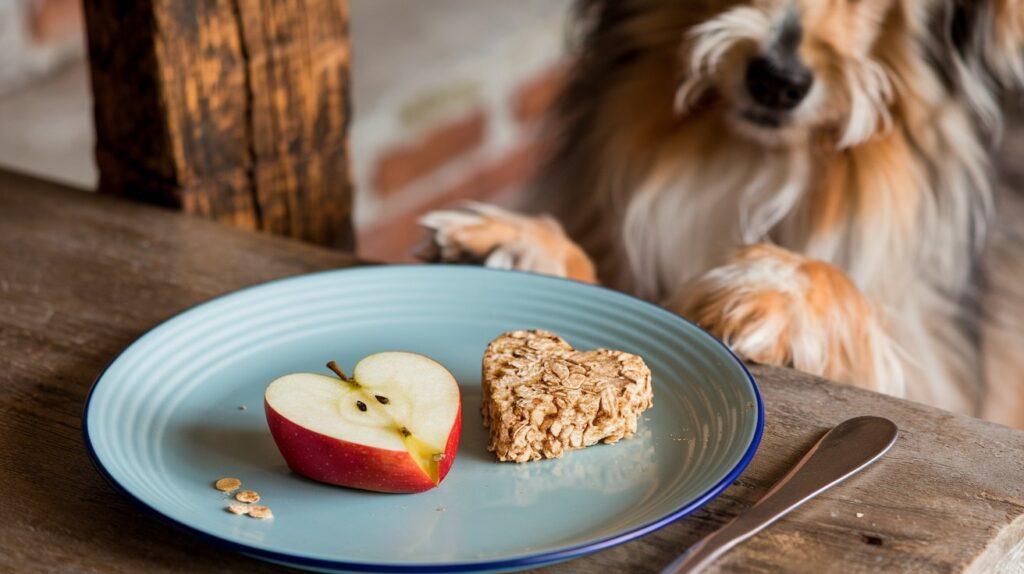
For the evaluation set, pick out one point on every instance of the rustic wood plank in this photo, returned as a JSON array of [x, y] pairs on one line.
[[948, 497], [82, 276], [235, 110]]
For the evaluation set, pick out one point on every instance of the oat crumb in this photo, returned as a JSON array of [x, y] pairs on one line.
[[227, 484], [248, 496], [261, 512], [860, 515], [238, 508]]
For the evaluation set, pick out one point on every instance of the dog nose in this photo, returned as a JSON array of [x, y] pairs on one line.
[[778, 83]]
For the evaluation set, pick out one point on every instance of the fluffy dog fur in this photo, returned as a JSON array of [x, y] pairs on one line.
[[852, 237]]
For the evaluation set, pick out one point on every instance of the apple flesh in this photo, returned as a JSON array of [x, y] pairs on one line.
[[393, 426]]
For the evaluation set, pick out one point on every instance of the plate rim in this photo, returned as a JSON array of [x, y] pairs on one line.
[[537, 559]]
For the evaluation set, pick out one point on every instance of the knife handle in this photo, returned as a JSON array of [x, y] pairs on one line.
[[844, 451]]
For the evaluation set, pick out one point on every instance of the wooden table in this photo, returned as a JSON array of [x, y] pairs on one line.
[[81, 276]]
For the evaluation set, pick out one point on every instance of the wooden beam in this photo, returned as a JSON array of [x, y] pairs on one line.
[[235, 110]]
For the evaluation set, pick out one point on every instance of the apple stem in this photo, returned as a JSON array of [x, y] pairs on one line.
[[341, 374]]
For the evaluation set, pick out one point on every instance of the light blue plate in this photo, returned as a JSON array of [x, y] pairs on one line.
[[165, 420]]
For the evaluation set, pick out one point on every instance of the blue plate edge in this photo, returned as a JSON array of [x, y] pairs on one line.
[[518, 563]]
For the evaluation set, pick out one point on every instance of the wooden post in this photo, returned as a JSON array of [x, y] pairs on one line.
[[236, 110]]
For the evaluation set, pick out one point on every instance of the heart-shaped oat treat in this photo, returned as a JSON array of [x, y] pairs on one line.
[[541, 397]]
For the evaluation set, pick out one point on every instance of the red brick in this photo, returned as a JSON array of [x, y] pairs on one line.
[[408, 162], [393, 240], [535, 97], [56, 21]]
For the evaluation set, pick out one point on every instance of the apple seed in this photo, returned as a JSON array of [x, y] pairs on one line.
[[382, 400], [239, 508], [248, 496], [261, 512], [361, 405], [404, 431], [227, 484]]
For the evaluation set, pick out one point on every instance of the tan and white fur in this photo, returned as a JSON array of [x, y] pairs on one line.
[[845, 227]]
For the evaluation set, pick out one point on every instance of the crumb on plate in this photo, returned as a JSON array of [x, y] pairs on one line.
[[227, 484], [248, 496]]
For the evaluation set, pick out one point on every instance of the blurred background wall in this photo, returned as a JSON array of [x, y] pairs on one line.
[[447, 97]]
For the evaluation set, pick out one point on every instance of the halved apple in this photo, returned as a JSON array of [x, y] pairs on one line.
[[393, 426]]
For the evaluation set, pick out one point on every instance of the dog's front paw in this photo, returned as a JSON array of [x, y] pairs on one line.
[[498, 238], [775, 307]]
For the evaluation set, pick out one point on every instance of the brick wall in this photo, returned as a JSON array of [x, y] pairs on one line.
[[462, 130], [452, 162]]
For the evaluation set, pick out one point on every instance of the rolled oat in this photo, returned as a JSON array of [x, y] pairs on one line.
[[261, 512], [227, 484], [239, 508], [248, 496]]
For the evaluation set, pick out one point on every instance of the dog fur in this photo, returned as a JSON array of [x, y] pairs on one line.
[[854, 237]]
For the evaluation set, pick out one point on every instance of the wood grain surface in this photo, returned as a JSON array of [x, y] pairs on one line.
[[81, 276], [236, 110]]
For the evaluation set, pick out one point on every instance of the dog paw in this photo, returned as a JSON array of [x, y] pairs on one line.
[[499, 238], [775, 307]]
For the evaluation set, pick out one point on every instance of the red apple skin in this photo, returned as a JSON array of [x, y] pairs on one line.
[[343, 463]]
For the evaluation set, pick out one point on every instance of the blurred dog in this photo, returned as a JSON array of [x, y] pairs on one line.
[[807, 179]]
